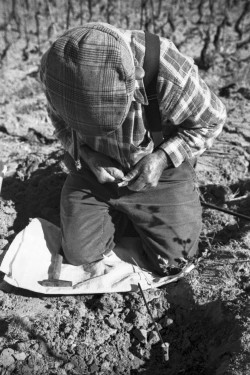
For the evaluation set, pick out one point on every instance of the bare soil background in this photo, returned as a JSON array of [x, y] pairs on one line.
[[205, 316]]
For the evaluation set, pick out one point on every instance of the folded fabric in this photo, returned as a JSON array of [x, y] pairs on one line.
[[33, 262]]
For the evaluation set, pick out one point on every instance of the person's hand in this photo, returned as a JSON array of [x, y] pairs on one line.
[[104, 168], [147, 172]]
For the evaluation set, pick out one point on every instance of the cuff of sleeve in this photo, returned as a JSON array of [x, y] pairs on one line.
[[175, 151]]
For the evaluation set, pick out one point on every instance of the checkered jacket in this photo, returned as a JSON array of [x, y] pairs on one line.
[[192, 116]]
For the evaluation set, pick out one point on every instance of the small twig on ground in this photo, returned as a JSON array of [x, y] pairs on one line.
[[235, 199], [164, 345], [205, 204], [3, 170], [144, 273]]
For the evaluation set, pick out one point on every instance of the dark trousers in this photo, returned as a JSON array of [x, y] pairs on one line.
[[167, 218]]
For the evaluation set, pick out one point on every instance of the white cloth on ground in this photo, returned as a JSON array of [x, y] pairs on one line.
[[32, 257]]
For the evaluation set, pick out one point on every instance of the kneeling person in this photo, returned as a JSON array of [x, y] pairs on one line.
[[93, 80]]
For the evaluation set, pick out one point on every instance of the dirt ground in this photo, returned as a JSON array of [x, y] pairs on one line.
[[205, 316]]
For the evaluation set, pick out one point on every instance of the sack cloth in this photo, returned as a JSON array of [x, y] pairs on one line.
[[33, 259]]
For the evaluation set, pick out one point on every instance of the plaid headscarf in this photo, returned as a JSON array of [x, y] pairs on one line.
[[90, 78]]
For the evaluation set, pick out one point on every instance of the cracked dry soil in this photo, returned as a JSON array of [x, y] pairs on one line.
[[205, 316]]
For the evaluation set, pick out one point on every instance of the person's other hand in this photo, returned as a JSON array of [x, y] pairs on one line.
[[147, 172], [104, 168]]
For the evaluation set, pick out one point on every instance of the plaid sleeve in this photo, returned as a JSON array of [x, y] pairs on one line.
[[196, 112]]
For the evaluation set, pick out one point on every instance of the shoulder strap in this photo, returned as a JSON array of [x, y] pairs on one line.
[[151, 68]]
